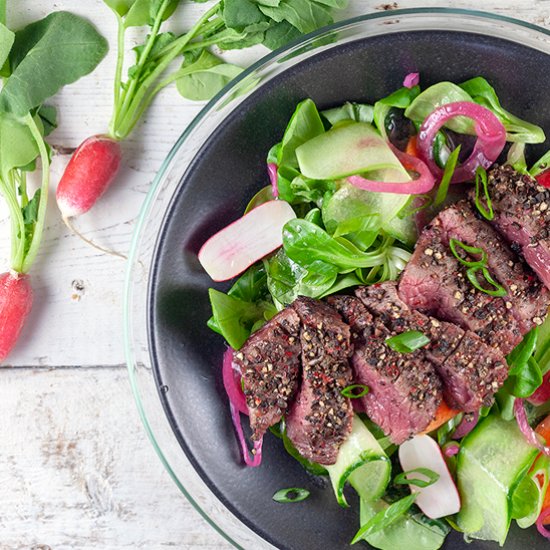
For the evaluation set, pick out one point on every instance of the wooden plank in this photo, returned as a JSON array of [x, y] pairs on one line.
[[77, 471]]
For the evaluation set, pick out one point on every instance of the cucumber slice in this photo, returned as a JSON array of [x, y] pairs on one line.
[[411, 531], [345, 150], [492, 461], [363, 463], [435, 96], [350, 202]]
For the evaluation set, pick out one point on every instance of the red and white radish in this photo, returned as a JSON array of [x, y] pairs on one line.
[[15, 305], [90, 171], [236, 247], [441, 498]]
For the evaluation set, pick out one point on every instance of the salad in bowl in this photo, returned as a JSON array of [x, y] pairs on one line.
[[387, 320]]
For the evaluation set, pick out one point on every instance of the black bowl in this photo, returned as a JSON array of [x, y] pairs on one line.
[[214, 189]]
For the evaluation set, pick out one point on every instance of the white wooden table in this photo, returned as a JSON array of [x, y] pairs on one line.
[[76, 469]]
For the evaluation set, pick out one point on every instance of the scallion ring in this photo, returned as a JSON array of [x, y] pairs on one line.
[[498, 289], [292, 494], [354, 391], [455, 244], [481, 180], [407, 342], [403, 479]]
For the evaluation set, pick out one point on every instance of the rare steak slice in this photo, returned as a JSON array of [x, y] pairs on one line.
[[383, 301], [404, 390], [522, 215], [436, 283], [320, 419], [269, 363], [472, 374], [471, 371], [527, 298]]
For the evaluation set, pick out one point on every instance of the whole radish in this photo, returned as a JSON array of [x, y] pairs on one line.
[[15, 304], [89, 173]]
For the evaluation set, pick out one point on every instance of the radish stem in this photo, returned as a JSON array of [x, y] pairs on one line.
[[126, 117], [44, 188], [127, 95]]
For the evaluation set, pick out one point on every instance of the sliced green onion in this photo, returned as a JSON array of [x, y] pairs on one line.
[[385, 518], [292, 494], [403, 479], [450, 166], [454, 244], [498, 289], [407, 342], [409, 209], [352, 393], [481, 180]]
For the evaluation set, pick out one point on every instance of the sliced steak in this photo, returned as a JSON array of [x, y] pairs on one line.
[[320, 419], [435, 282], [522, 215], [527, 298], [472, 374], [470, 370], [404, 388], [269, 363], [383, 301]]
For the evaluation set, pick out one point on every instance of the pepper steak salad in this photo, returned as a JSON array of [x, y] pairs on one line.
[[389, 320]]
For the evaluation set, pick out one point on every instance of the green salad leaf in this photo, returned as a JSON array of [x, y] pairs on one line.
[[517, 130], [47, 54]]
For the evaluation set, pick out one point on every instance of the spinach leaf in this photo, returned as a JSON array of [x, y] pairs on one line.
[[303, 190], [287, 280], [47, 55], [251, 286], [245, 307], [305, 242], [525, 375], [304, 125], [236, 318], [517, 130], [204, 76]]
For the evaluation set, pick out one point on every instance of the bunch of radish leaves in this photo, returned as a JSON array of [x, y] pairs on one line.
[[36, 62], [229, 24]]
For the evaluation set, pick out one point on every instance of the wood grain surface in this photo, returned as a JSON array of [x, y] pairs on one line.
[[76, 468]]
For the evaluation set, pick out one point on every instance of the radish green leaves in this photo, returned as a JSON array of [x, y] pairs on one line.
[[228, 24], [37, 61]]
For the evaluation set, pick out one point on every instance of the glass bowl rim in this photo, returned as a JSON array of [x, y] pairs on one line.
[[265, 61]]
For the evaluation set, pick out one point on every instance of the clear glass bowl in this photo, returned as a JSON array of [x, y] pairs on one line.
[[152, 214]]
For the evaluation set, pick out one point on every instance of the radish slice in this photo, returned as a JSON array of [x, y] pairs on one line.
[[441, 498], [236, 247]]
